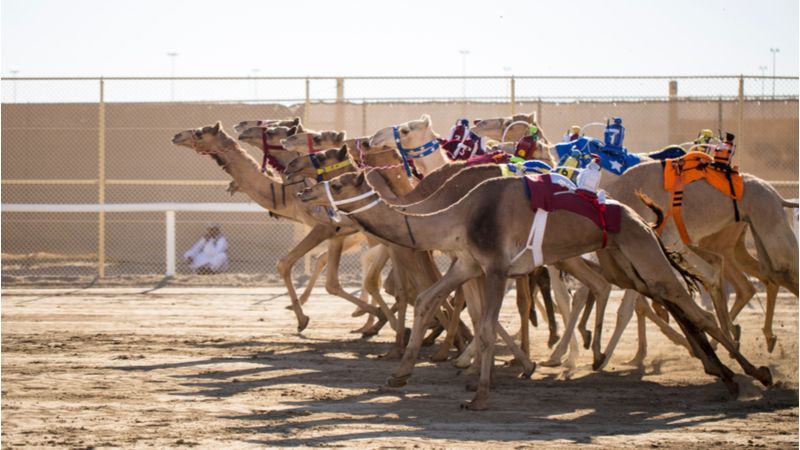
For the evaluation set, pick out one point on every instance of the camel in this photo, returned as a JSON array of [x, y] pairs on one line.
[[476, 229], [418, 134], [281, 200], [342, 160], [245, 124], [725, 246]]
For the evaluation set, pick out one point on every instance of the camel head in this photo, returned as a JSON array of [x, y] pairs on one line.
[[331, 162], [273, 134], [493, 128], [312, 142], [342, 187], [241, 126], [412, 134], [204, 140]]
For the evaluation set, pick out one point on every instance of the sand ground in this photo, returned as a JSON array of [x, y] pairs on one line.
[[191, 366]]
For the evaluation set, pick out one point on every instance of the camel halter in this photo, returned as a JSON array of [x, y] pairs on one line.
[[336, 203], [266, 147], [310, 142], [322, 170], [416, 152], [362, 165]]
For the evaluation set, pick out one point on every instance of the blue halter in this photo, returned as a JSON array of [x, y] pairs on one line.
[[420, 152]]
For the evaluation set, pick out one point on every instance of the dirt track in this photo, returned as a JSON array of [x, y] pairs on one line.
[[223, 368]]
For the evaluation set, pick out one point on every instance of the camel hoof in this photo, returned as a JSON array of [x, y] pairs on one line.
[[599, 362], [551, 363], [636, 362], [289, 307], [552, 340], [526, 375], [302, 324], [474, 405], [771, 341], [764, 375], [733, 388], [396, 381], [458, 364], [587, 338]]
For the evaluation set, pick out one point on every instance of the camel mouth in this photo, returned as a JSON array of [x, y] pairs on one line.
[[178, 139]]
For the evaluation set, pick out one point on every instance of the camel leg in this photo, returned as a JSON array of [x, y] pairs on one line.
[[426, 304], [524, 308], [528, 366], [493, 299], [772, 295], [624, 314], [709, 267], [587, 310], [641, 328], [542, 277], [701, 348], [371, 280], [333, 286], [452, 327], [562, 296], [578, 301], [319, 266], [372, 285], [318, 234], [667, 330]]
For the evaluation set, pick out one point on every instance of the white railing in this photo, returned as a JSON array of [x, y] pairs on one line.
[[168, 208]]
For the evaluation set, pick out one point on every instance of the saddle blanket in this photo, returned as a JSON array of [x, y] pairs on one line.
[[698, 166], [551, 194]]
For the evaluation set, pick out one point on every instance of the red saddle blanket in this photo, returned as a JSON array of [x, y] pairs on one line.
[[545, 194]]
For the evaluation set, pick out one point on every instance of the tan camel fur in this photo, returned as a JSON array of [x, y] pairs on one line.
[[245, 124], [416, 133], [476, 229], [281, 200]]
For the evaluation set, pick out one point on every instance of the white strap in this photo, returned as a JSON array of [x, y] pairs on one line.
[[363, 208], [336, 203], [535, 238]]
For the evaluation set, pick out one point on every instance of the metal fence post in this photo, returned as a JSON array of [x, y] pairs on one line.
[[719, 113], [170, 247], [101, 182], [364, 118], [513, 96], [672, 112], [339, 114], [740, 125], [307, 104]]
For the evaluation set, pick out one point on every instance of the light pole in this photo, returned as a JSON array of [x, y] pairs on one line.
[[763, 70], [172, 56], [14, 84], [464, 54], [255, 83], [774, 54]]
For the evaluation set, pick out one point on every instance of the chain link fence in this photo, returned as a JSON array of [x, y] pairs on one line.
[[89, 141]]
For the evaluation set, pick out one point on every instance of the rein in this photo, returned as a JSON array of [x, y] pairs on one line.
[[416, 152], [336, 203]]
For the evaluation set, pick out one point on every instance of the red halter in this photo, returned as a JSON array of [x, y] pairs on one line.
[[266, 147], [310, 141]]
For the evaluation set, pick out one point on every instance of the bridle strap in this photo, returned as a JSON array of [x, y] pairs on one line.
[[336, 203], [310, 142], [416, 152], [266, 147]]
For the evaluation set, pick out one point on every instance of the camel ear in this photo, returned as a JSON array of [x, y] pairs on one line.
[[532, 117], [293, 131], [426, 120], [300, 128], [360, 179], [341, 136], [296, 121], [342, 153], [217, 127]]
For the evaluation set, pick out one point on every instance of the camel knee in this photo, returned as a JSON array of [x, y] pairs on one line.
[[284, 268]]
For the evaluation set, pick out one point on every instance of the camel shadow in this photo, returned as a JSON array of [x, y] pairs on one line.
[[336, 388]]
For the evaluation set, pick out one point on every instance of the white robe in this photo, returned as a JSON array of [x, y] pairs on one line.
[[210, 253]]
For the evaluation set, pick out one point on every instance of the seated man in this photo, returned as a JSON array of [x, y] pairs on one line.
[[208, 256]]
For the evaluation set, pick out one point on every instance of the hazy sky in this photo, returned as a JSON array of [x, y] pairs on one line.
[[406, 37]]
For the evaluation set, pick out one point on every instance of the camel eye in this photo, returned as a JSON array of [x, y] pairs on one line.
[[404, 131]]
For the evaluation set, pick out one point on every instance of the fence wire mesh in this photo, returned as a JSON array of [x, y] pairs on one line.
[[78, 141]]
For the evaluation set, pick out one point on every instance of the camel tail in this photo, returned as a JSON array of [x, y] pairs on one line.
[[653, 207], [789, 204]]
